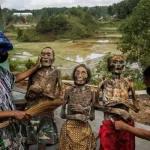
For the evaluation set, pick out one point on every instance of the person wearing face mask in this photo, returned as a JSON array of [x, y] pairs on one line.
[[141, 133], [9, 134], [76, 132], [42, 85]]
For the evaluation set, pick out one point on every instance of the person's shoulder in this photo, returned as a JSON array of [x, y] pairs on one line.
[[68, 89], [55, 68], [4, 71], [128, 79]]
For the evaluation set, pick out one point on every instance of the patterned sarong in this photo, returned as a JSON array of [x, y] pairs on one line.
[[76, 135]]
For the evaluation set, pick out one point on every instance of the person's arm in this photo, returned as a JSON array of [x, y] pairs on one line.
[[98, 103], [63, 112], [23, 75], [60, 84], [63, 115], [141, 133], [92, 111], [19, 115], [135, 102]]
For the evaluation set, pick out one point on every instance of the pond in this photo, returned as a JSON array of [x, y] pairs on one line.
[[23, 55], [78, 58]]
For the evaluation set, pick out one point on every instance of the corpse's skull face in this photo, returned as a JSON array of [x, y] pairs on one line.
[[116, 64], [81, 76], [47, 57]]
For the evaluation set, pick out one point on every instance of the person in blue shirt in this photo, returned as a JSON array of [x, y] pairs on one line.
[[8, 135]]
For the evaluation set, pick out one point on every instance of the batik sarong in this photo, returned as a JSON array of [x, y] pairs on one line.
[[76, 135]]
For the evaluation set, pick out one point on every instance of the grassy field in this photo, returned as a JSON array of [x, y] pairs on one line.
[[66, 48]]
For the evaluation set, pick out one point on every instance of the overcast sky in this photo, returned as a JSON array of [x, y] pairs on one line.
[[37, 4]]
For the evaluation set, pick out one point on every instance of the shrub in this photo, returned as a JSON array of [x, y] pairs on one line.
[[29, 64]]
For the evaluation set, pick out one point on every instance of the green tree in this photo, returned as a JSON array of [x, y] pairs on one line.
[[19, 33], [122, 10], [43, 26], [136, 34], [100, 69], [29, 64], [25, 37]]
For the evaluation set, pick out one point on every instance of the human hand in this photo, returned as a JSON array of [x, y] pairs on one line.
[[76, 108], [61, 95], [136, 104], [123, 113], [81, 117], [119, 125], [38, 62], [21, 115], [36, 88]]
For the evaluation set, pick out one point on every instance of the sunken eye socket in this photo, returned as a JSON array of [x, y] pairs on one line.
[[45, 54], [83, 73], [118, 62], [78, 72], [114, 62]]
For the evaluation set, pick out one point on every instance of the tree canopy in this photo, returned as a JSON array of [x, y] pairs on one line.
[[136, 34]]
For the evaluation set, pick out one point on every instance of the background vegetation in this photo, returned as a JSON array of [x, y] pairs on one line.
[[76, 30]]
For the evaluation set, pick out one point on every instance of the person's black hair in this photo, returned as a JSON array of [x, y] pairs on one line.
[[51, 49], [87, 69], [146, 73]]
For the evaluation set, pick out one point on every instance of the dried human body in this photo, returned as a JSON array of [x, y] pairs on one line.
[[115, 103], [42, 87], [141, 133], [76, 132]]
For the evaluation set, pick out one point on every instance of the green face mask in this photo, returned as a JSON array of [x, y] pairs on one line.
[[5, 64]]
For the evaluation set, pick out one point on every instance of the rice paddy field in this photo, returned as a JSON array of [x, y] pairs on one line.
[[68, 53]]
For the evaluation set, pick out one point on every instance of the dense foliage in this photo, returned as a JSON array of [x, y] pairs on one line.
[[122, 9], [73, 23], [136, 34]]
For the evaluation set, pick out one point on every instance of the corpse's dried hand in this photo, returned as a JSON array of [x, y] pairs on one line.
[[136, 106], [76, 108], [81, 117]]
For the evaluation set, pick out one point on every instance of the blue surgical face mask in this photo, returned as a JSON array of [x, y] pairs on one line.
[[3, 57]]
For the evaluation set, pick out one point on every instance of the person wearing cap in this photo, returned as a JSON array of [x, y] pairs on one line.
[[141, 133], [8, 135]]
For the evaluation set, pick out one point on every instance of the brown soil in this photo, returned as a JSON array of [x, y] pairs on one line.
[[143, 116]]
